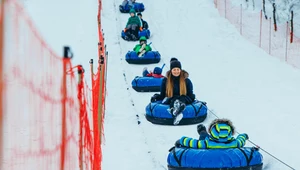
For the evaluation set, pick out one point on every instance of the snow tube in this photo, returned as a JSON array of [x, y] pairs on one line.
[[138, 7], [145, 33], [157, 113], [148, 58], [146, 84], [245, 158]]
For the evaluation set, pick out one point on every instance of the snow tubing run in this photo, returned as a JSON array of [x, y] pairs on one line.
[[157, 113], [138, 7], [245, 158], [146, 84], [148, 58]]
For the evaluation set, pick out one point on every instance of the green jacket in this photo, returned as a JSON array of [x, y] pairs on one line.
[[138, 47], [134, 20]]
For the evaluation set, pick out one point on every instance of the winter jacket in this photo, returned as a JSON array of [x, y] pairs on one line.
[[154, 75], [139, 46], [220, 138], [135, 20], [188, 98], [145, 24]]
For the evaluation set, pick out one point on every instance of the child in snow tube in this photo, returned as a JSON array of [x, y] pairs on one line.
[[218, 141], [144, 23], [145, 26], [142, 47], [131, 4], [149, 82], [176, 90], [220, 135], [133, 26], [157, 72]]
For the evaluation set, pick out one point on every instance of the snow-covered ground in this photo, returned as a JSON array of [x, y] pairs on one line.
[[239, 81]]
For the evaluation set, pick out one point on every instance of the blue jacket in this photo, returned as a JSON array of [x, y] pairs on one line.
[[189, 97], [220, 137]]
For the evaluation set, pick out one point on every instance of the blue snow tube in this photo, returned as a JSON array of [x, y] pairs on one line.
[[245, 158], [148, 58], [194, 113], [138, 7], [145, 32], [146, 84]]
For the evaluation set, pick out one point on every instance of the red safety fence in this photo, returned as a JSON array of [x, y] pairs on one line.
[[49, 117], [277, 40]]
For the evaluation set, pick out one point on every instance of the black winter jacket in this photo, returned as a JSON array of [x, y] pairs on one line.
[[145, 24], [188, 98]]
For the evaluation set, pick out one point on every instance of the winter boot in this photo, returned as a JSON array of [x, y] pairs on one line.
[[177, 111]]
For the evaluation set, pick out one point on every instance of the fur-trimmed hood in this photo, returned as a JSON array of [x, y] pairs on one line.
[[185, 73], [221, 130]]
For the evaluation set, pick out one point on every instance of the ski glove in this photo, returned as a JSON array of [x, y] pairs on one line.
[[141, 28], [201, 128], [155, 97], [125, 29], [177, 143], [246, 136]]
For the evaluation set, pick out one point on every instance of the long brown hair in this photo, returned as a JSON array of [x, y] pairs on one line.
[[182, 84]]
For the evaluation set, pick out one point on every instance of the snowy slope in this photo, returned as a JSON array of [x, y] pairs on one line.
[[238, 80]]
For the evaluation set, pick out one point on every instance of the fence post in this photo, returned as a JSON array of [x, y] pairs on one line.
[[286, 41], [241, 23], [260, 29], [92, 72], [80, 71], [101, 62], [225, 8], [66, 59], [292, 27], [1, 78], [270, 35], [274, 16]]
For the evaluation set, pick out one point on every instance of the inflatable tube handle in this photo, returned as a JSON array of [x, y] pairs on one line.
[[136, 79], [152, 108], [178, 160], [163, 66], [248, 159]]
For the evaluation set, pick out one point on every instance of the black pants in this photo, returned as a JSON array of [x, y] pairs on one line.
[[132, 29]]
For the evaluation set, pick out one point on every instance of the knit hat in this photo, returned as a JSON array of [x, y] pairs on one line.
[[221, 130], [132, 11], [139, 14], [174, 64], [173, 59], [157, 70]]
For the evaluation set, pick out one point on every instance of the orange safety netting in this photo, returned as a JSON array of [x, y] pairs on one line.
[[47, 115], [99, 93], [274, 39]]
